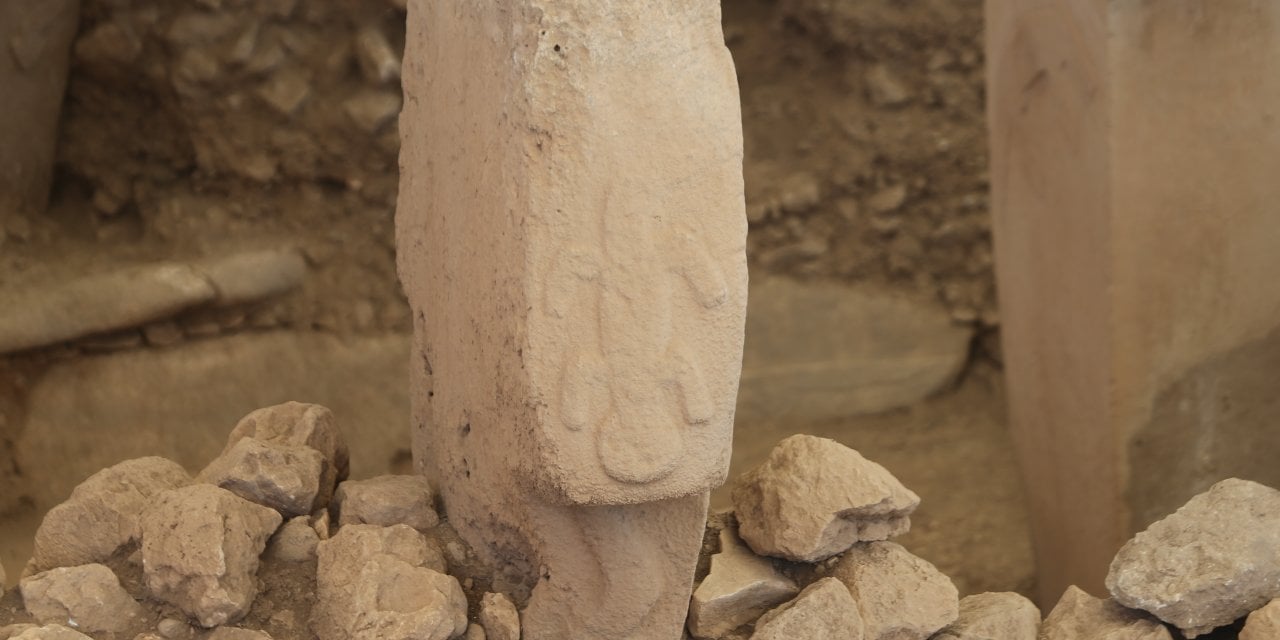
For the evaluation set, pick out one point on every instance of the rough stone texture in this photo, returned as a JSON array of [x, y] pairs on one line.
[[1263, 624], [11, 631], [739, 587], [285, 477], [994, 616], [300, 424], [1209, 563], [200, 549], [818, 350], [900, 596], [475, 632], [579, 329], [814, 498], [234, 633], [50, 632], [387, 500], [256, 275], [88, 597], [103, 514], [378, 583], [499, 617], [823, 611], [295, 541], [1080, 616]]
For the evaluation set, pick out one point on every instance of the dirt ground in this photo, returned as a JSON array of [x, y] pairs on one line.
[[196, 130]]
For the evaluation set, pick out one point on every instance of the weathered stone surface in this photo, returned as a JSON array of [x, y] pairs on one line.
[[900, 596], [256, 275], [613, 334], [175, 629], [376, 583], [200, 550], [11, 631], [285, 477], [88, 597], [740, 587], [823, 611], [1208, 564], [300, 424], [50, 632], [179, 401], [234, 633], [499, 617], [994, 616], [1263, 624], [103, 513], [295, 541], [475, 632], [1080, 616], [385, 501], [814, 498], [826, 350]]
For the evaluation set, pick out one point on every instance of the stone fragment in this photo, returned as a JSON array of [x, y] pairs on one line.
[[1208, 564], [11, 631], [376, 583], [1080, 616], [98, 303], [285, 91], [104, 513], [285, 477], [200, 550], [475, 632], [888, 199], [499, 617], [298, 423], [884, 88], [378, 60], [994, 616], [235, 633], [257, 275], [295, 541], [385, 501], [823, 611], [88, 597], [50, 632], [900, 596], [814, 498], [1263, 624], [174, 629], [371, 110], [739, 587]]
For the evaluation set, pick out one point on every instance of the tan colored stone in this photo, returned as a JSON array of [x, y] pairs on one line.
[[285, 477], [298, 423], [571, 235], [1263, 624], [200, 549], [814, 498], [295, 541], [738, 589], [88, 597], [994, 616], [8, 632], [1080, 616], [386, 501], [475, 632], [823, 611], [235, 633], [50, 632], [1208, 564], [103, 514], [499, 617], [900, 596]]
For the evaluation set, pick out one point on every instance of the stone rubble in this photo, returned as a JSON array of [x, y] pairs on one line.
[[88, 597], [386, 501], [814, 498], [299, 424], [499, 618], [1263, 624], [1080, 616], [295, 541], [285, 477], [994, 616], [47, 632], [823, 611], [235, 633], [900, 596], [739, 587], [1208, 564]]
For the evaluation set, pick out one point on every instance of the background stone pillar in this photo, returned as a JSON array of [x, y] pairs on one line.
[[571, 234]]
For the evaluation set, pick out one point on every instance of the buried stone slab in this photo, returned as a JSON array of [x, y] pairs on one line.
[[994, 616], [823, 611], [1080, 616], [88, 597], [386, 501], [1208, 564], [900, 596], [814, 498], [739, 587], [285, 477]]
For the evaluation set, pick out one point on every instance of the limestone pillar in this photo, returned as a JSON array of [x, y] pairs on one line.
[[571, 233]]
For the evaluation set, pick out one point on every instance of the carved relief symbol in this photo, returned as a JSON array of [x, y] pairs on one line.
[[629, 376]]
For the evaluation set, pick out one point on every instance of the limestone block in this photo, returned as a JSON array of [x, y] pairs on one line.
[[200, 550], [994, 616], [1263, 624], [814, 498], [1208, 564], [499, 617], [1080, 616], [386, 501], [104, 513], [284, 477], [88, 597], [900, 596], [739, 587], [299, 424], [823, 611]]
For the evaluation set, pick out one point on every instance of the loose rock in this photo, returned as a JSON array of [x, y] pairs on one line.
[[174, 629], [1207, 565], [103, 514], [1080, 616], [50, 632], [994, 616], [739, 587], [200, 549], [284, 477], [88, 596], [386, 501], [234, 633], [1263, 624], [499, 617], [296, 541], [814, 498], [475, 632], [900, 596], [297, 423], [823, 611], [885, 89]]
